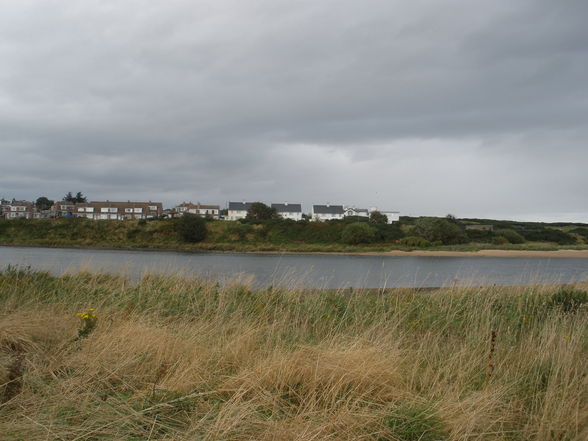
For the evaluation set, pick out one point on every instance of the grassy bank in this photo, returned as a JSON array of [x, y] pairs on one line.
[[222, 236], [176, 359]]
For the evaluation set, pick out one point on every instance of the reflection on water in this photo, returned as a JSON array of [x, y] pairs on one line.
[[308, 270]]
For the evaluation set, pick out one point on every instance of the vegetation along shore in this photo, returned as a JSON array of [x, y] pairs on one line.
[[419, 236], [96, 357]]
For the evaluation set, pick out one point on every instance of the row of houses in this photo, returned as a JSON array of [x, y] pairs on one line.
[[239, 210], [109, 210]]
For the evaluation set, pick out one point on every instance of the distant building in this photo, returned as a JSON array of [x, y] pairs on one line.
[[63, 209], [289, 211], [238, 210], [327, 212], [198, 209], [480, 227], [4, 204], [356, 212], [118, 210], [18, 210]]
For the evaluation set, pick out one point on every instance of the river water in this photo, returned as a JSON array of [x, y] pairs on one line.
[[307, 270]]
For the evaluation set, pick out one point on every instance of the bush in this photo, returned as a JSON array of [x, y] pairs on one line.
[[358, 232], [480, 235], [511, 236], [568, 299], [191, 228], [500, 240], [415, 241], [549, 235], [436, 229]]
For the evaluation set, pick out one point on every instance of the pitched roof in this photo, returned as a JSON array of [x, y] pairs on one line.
[[239, 206], [288, 208], [199, 206], [327, 209]]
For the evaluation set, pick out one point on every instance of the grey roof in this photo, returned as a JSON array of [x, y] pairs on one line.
[[357, 210], [327, 209], [288, 208], [240, 206]]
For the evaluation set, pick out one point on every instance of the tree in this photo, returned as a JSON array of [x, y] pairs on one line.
[[439, 230], [260, 211], [358, 232], [69, 197], [42, 203], [191, 228], [378, 218], [78, 198]]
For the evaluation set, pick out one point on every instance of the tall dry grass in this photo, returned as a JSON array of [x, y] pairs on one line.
[[182, 359]]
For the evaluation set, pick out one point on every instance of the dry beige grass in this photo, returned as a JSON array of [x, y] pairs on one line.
[[180, 359]]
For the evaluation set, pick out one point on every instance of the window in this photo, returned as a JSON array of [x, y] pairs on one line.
[[81, 209], [89, 209], [138, 210], [154, 208], [128, 210]]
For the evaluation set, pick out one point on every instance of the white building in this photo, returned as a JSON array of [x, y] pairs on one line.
[[289, 211], [238, 210], [356, 212], [198, 209], [392, 216], [327, 212]]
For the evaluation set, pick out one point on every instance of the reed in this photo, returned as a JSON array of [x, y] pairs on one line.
[[177, 358]]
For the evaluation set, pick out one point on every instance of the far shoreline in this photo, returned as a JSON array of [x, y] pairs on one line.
[[496, 253]]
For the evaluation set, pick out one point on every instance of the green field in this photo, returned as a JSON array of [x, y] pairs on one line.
[[168, 358]]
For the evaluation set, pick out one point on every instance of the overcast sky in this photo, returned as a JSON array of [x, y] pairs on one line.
[[429, 107]]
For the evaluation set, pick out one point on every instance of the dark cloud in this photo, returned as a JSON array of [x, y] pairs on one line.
[[428, 107]]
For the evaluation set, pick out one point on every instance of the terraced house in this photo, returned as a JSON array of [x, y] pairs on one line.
[[118, 210], [18, 210]]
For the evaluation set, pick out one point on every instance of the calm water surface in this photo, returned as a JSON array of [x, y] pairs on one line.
[[307, 270]]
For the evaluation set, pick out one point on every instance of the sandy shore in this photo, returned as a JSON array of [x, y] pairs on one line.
[[486, 253]]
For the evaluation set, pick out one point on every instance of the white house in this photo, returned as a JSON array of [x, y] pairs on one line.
[[18, 209], [238, 210], [392, 216], [198, 209], [327, 212], [289, 211], [352, 211]]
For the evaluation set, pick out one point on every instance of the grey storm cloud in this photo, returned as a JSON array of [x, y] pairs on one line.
[[428, 107]]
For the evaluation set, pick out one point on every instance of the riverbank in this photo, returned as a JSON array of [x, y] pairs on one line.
[[357, 251], [174, 358], [247, 238]]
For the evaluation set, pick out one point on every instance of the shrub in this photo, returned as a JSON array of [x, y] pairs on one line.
[[357, 233], [191, 228], [142, 222], [568, 299], [549, 235], [436, 229], [500, 240], [378, 218], [511, 236], [415, 241], [480, 235], [414, 423], [388, 232]]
